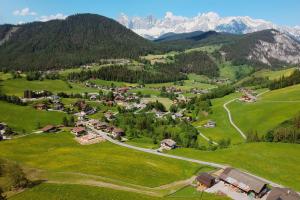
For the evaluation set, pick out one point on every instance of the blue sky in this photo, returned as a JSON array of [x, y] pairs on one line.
[[282, 12]]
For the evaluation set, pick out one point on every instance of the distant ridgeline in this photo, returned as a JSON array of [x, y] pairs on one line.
[[80, 39], [90, 38]]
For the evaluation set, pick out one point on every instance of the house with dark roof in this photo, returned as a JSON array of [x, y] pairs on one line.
[[168, 144], [78, 131], [49, 129], [117, 132], [205, 179], [245, 182], [283, 194]]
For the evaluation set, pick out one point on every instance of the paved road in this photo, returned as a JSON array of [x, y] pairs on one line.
[[231, 120], [104, 135]]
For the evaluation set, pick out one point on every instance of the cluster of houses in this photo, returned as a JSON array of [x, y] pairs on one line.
[[81, 128], [239, 185], [248, 96], [29, 94], [199, 91], [53, 103], [173, 89]]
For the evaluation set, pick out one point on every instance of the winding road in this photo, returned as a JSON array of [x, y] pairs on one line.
[[230, 116]]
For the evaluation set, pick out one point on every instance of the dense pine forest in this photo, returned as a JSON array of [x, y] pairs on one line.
[[80, 39]]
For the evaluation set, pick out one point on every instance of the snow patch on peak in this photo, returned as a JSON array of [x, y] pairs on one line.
[[154, 27]]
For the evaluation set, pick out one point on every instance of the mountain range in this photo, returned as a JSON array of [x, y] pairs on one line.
[[90, 38], [152, 28]]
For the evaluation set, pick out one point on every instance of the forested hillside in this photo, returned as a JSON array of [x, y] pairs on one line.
[[82, 38]]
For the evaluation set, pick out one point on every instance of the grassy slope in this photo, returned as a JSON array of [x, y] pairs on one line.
[[223, 128], [17, 86], [274, 74], [267, 113], [60, 153], [227, 70], [75, 192], [27, 118], [165, 101], [275, 161]]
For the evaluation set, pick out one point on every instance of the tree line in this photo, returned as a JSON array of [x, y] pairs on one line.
[[283, 81], [287, 132], [125, 74]]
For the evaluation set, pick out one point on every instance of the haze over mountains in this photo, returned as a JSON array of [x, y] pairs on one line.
[[151, 27]]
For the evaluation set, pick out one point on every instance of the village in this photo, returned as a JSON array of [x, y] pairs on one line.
[[87, 130]]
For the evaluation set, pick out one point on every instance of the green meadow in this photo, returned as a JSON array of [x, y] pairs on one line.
[[60, 153], [278, 162], [18, 86], [48, 191], [223, 129], [27, 118], [270, 110], [165, 101], [274, 74]]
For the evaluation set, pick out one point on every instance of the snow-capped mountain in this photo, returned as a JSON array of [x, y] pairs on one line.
[[150, 27]]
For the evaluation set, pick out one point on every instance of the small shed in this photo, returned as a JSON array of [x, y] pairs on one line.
[[205, 179]]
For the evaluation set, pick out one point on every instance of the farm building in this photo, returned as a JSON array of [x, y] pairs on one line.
[[168, 144], [49, 129], [210, 124], [78, 131], [117, 132], [244, 182], [283, 194], [101, 126], [205, 179], [41, 106]]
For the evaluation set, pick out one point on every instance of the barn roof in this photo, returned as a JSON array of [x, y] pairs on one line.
[[242, 180]]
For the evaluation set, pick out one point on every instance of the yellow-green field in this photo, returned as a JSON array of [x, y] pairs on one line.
[[277, 162], [59, 156], [48, 191], [18, 86], [274, 74], [270, 110], [223, 129], [165, 101], [26, 118]]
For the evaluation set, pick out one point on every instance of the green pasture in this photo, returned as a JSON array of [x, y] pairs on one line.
[[27, 118], [60, 153], [48, 191], [270, 110], [223, 129], [18, 86], [278, 162]]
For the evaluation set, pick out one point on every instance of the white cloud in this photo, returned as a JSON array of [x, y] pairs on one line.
[[45, 18], [24, 12]]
